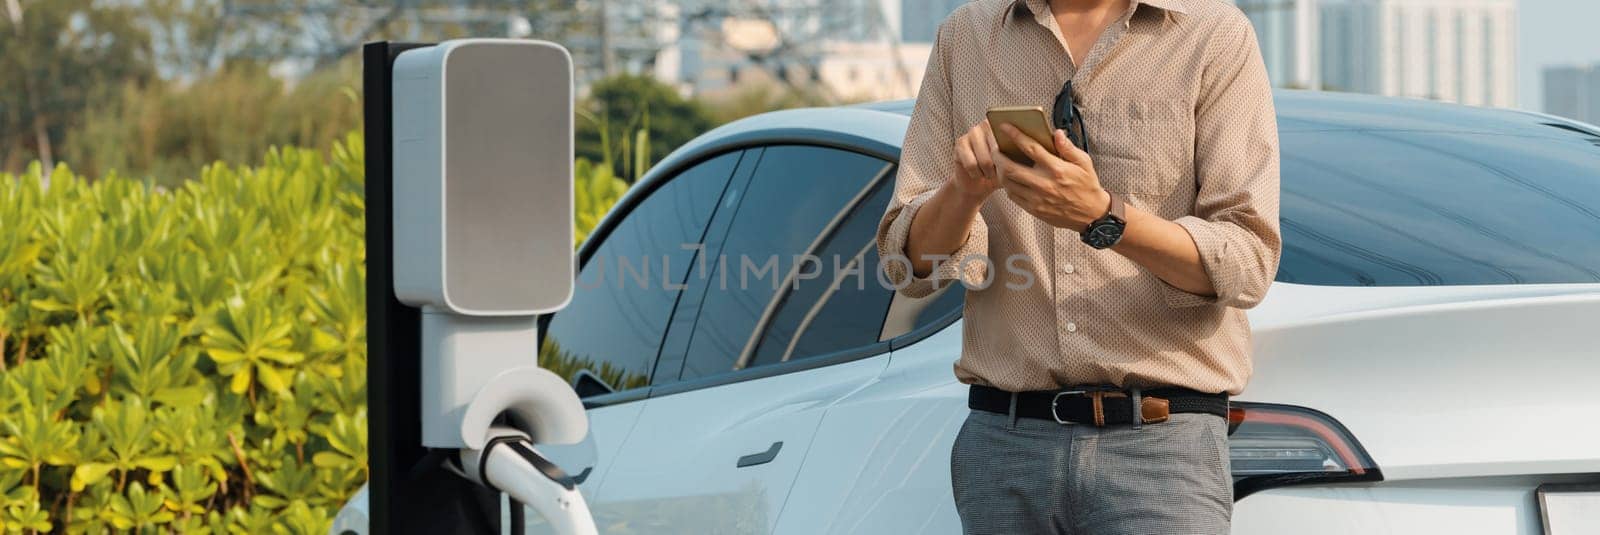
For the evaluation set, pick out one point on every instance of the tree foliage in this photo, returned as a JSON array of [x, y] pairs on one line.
[[164, 130], [629, 121], [57, 56], [595, 191]]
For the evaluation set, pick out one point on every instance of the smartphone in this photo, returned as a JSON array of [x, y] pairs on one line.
[[1033, 123]]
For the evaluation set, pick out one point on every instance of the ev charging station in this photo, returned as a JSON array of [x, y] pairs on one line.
[[469, 155]]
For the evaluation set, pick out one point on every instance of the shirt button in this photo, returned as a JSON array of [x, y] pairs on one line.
[[1072, 327], [1067, 268]]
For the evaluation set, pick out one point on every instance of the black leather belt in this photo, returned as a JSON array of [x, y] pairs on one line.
[[1099, 406]]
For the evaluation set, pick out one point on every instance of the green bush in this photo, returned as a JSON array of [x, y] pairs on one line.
[[187, 360], [193, 359]]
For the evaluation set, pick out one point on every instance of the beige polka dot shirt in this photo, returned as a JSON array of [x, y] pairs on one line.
[[1180, 121]]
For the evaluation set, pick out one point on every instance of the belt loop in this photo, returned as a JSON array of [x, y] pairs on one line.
[[1012, 412], [1138, 409], [1098, 396]]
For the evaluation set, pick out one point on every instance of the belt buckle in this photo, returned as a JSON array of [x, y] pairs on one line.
[[1056, 402]]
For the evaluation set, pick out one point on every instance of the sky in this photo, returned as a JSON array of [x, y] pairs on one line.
[[1553, 32]]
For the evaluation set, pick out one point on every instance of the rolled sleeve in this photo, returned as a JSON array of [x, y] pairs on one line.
[[969, 264], [927, 161], [1234, 223]]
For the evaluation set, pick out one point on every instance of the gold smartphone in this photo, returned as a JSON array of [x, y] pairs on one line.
[[1031, 120]]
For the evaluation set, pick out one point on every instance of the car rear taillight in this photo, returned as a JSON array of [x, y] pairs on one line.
[[1273, 445]]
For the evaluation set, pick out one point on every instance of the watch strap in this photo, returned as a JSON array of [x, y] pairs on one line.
[[1113, 219], [1116, 207]]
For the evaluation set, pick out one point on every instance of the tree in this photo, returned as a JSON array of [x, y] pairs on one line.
[[623, 108], [58, 55]]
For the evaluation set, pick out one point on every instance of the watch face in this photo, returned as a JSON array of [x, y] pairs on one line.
[[1104, 235]]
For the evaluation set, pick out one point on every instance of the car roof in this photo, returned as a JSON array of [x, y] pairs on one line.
[[878, 128]]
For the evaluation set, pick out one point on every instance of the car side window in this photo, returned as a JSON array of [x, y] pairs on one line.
[[806, 222], [843, 305], [626, 289]]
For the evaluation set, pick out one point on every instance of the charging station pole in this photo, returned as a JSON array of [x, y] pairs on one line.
[[409, 489], [470, 199]]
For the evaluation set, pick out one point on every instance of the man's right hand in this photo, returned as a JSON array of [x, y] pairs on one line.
[[976, 173], [942, 225]]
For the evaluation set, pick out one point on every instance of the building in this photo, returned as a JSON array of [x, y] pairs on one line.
[[856, 72], [1452, 50], [850, 49], [1288, 33], [1573, 92]]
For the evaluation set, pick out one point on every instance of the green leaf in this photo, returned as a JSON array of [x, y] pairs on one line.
[[240, 382], [187, 396], [50, 305], [328, 459], [88, 474], [157, 464], [269, 502], [223, 356], [272, 379]]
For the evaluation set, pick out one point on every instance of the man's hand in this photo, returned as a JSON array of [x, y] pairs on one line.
[[1063, 191], [976, 174], [942, 224]]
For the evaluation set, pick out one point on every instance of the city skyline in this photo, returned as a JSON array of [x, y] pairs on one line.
[[1484, 52], [1545, 31]]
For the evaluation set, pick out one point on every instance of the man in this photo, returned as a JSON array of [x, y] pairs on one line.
[[1099, 379]]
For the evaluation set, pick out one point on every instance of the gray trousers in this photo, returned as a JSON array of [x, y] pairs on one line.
[[1024, 475]]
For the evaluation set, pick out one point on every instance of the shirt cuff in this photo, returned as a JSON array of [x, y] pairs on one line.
[[968, 264], [1213, 247]]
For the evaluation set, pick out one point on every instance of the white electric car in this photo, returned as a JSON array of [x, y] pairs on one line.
[[1427, 361]]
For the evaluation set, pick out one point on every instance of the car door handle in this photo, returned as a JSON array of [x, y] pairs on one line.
[[761, 458]]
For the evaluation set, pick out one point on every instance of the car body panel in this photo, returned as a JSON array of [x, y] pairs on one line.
[[609, 427], [1460, 393], [679, 472], [881, 460]]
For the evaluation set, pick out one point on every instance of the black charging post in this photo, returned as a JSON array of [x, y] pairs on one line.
[[409, 490]]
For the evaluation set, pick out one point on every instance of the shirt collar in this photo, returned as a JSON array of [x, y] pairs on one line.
[[1040, 7]]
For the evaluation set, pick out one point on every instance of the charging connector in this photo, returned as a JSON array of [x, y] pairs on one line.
[[509, 463]]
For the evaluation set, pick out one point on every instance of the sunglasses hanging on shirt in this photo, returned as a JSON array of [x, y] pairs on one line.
[[1069, 119]]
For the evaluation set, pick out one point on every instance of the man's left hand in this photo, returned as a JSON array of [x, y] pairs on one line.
[[1063, 191]]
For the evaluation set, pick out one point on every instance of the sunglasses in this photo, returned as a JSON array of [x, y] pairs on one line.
[[1069, 119]]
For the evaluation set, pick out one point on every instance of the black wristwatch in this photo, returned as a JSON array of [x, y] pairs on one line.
[[1106, 231]]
